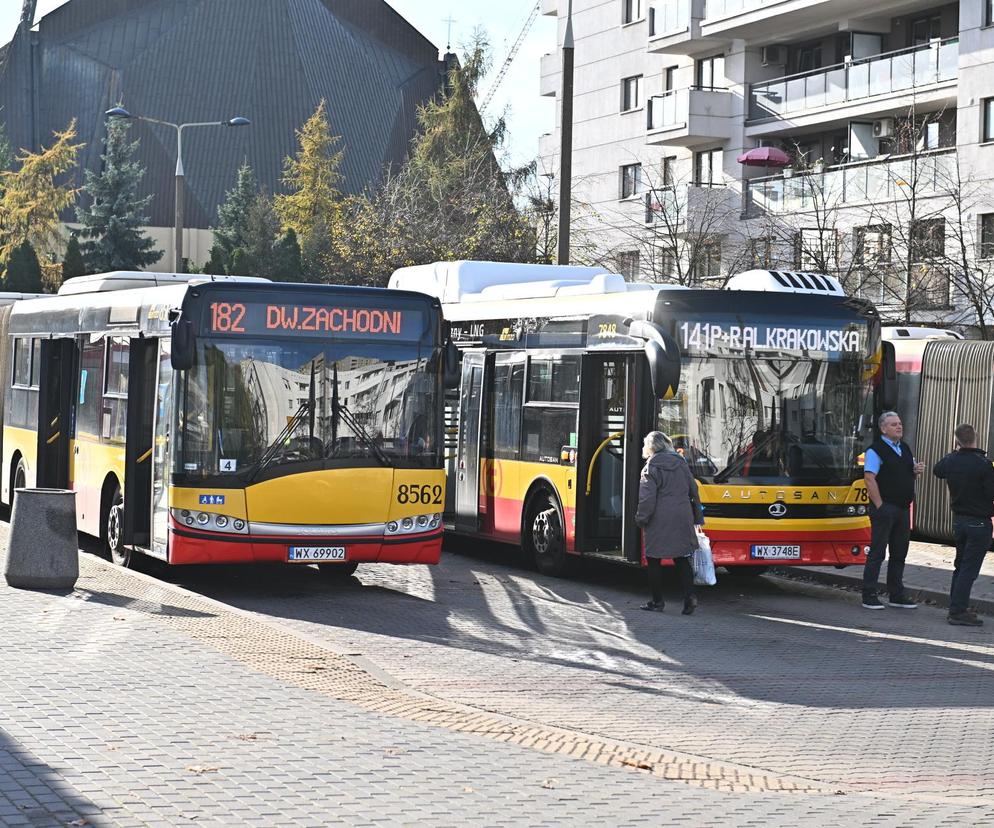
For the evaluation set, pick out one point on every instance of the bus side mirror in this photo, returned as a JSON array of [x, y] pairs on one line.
[[450, 370], [664, 369], [887, 389], [183, 343]]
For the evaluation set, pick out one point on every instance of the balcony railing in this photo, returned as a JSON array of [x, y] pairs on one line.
[[883, 74], [673, 108], [926, 173], [676, 205], [723, 8], [668, 16]]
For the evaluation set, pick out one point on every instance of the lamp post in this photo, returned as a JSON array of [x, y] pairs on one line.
[[121, 112]]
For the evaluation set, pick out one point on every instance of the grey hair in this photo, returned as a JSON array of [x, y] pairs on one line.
[[883, 418], [656, 442]]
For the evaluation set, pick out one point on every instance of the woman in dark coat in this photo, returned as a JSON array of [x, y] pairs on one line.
[[669, 511]]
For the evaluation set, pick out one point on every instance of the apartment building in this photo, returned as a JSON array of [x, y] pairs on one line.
[[884, 108]]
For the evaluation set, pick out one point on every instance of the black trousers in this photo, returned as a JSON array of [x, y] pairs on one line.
[[684, 571], [890, 526], [973, 537]]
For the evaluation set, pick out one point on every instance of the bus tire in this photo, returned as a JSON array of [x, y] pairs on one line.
[[338, 571], [113, 525], [544, 537], [19, 479], [747, 571]]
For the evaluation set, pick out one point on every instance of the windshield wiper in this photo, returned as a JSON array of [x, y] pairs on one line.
[[749, 454], [273, 449], [340, 411]]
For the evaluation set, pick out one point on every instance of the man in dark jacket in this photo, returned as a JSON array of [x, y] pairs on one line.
[[889, 469], [970, 478]]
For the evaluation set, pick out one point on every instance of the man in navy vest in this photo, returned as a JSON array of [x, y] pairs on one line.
[[890, 470]]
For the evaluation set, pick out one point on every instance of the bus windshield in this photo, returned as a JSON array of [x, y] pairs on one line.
[[260, 408], [754, 419]]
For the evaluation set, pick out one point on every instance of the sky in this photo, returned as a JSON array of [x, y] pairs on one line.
[[528, 114]]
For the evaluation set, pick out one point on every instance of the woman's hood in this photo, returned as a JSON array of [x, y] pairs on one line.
[[667, 460]]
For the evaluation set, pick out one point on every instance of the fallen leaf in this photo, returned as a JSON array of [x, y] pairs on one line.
[[467, 789], [636, 763], [394, 751], [79, 822], [202, 768], [550, 783]]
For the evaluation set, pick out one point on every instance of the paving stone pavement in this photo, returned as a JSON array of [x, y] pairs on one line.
[[129, 702]]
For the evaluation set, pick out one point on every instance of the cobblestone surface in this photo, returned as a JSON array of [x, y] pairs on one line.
[[130, 702]]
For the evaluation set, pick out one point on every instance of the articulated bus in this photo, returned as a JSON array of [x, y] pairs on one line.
[[769, 396], [221, 420]]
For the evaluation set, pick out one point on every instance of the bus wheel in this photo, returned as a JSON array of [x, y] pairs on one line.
[[338, 571], [545, 538], [747, 571], [20, 479], [114, 530]]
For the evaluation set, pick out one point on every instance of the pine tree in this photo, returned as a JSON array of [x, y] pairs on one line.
[[73, 264], [23, 270], [219, 260], [286, 265], [32, 198], [232, 215], [113, 221], [313, 207]]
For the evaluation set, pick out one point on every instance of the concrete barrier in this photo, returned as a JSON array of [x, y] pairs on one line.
[[43, 548]]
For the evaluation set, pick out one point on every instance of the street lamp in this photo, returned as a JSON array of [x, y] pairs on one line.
[[238, 121]]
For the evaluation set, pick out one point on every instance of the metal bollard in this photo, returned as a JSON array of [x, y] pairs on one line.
[[43, 548]]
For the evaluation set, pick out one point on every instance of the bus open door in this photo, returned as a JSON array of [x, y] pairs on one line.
[[55, 412], [143, 365]]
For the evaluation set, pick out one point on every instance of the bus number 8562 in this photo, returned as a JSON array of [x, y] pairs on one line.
[[428, 495]]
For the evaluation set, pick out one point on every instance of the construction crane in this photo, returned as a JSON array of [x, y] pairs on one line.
[[510, 57]]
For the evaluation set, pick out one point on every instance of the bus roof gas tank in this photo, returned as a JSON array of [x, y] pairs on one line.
[[466, 281], [786, 281], [129, 280]]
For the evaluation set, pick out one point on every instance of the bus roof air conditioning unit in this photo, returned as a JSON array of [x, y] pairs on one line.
[[774, 55], [884, 128], [786, 281]]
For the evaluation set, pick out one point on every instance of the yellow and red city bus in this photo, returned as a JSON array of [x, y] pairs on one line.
[[220, 420], [768, 396]]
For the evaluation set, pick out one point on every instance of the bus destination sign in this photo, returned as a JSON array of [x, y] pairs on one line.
[[307, 319], [722, 335]]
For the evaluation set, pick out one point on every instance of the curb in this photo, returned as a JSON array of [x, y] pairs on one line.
[[852, 583]]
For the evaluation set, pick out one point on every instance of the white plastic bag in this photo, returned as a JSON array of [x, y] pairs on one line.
[[703, 563]]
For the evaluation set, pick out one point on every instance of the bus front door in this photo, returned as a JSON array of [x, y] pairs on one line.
[[613, 421], [55, 412], [143, 366], [467, 470]]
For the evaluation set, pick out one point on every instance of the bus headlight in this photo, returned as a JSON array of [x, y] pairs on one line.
[[203, 518], [407, 523], [221, 521], [422, 520], [861, 510], [238, 525], [392, 526], [851, 510], [189, 519]]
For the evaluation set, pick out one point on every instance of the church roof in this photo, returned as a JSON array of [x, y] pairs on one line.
[[271, 61]]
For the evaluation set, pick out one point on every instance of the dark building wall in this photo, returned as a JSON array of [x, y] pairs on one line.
[[271, 61]]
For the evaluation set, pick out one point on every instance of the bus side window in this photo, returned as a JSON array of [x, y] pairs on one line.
[[88, 409], [508, 387], [114, 415]]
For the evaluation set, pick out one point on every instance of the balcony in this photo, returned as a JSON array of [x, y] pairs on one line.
[[675, 27], [689, 117], [550, 7], [751, 20], [672, 208], [924, 174], [862, 87], [550, 67]]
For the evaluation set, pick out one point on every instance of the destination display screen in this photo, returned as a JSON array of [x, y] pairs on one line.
[[311, 319], [730, 335]]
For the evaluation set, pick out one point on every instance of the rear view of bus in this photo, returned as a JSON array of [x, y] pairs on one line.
[[237, 421]]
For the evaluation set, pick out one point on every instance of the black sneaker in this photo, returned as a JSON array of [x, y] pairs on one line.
[[653, 606], [872, 602], [964, 619], [902, 602], [689, 606]]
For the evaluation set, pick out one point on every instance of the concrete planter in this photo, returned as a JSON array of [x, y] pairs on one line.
[[43, 546]]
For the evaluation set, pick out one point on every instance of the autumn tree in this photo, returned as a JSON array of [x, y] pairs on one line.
[[113, 215], [34, 195], [313, 205], [450, 199]]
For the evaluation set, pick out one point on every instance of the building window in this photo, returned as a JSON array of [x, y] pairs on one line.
[[817, 249], [987, 113], [987, 236], [627, 263], [761, 252], [707, 168], [924, 30], [665, 263], [631, 10], [989, 12], [669, 172], [709, 72], [669, 77], [631, 180], [873, 244], [928, 239], [631, 93], [706, 260]]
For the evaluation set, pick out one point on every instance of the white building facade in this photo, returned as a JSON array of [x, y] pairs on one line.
[[884, 107]]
